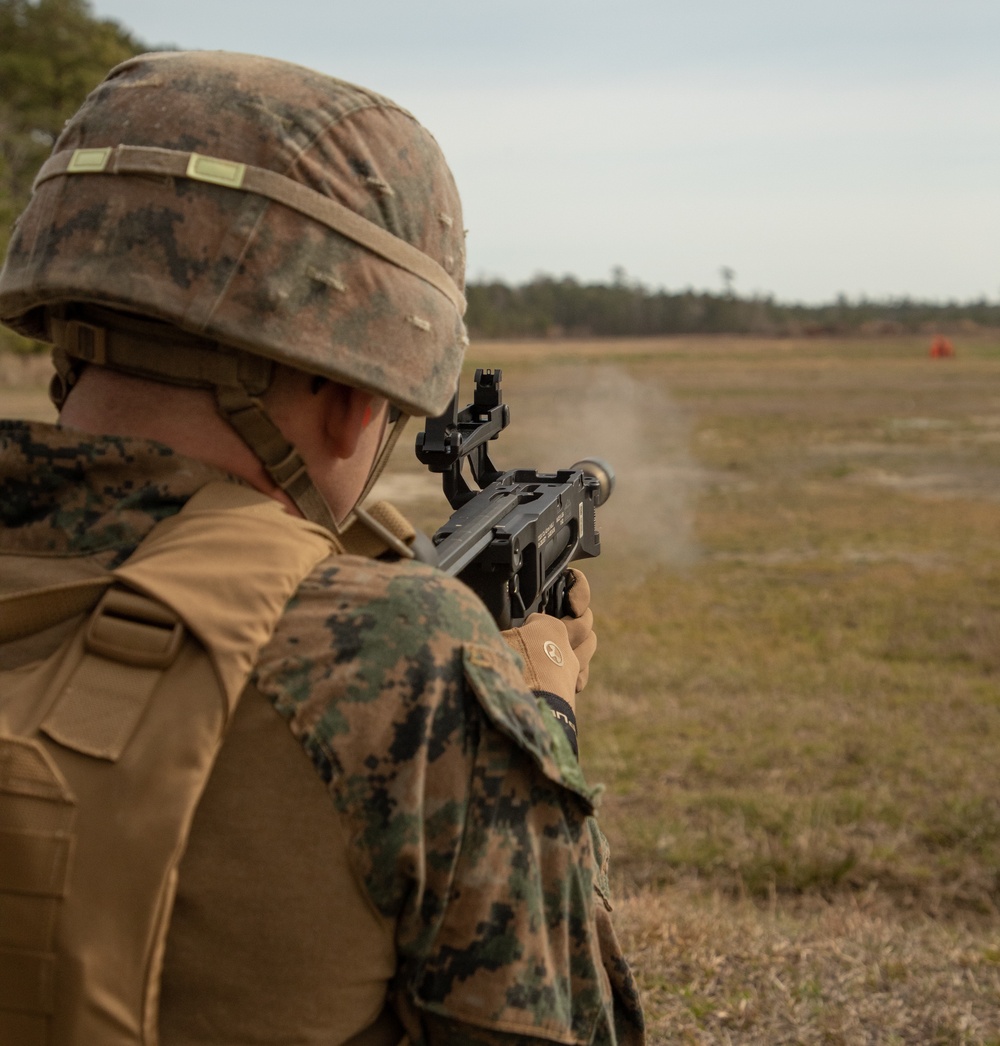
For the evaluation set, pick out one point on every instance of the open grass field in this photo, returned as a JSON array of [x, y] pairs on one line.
[[796, 701]]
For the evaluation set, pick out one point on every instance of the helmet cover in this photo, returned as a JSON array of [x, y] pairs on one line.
[[183, 241]]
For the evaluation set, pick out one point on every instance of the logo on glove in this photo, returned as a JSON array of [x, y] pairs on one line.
[[553, 653]]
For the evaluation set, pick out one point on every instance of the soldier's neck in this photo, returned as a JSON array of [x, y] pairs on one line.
[[186, 420]]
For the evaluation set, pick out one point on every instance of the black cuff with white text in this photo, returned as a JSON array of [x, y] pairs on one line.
[[564, 715]]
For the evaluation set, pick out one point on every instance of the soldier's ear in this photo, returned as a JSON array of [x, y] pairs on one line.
[[347, 412]]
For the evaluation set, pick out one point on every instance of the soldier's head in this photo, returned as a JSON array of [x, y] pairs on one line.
[[209, 218]]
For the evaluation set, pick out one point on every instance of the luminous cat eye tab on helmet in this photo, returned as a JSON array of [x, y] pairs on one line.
[[135, 159]]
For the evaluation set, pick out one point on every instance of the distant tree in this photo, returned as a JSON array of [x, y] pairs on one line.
[[728, 278], [52, 53]]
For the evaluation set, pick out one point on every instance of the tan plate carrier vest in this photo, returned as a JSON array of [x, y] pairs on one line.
[[106, 747]]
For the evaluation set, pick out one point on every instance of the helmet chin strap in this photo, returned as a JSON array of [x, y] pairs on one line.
[[359, 515], [397, 423], [281, 460], [285, 466]]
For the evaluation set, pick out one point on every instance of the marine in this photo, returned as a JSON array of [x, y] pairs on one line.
[[251, 274]]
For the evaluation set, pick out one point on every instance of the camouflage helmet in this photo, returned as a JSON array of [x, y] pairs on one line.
[[257, 206]]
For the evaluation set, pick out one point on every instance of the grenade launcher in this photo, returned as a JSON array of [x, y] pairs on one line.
[[513, 538]]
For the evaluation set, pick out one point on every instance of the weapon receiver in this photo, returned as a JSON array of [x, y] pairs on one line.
[[511, 539]]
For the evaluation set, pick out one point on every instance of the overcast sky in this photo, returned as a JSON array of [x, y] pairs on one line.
[[815, 148]]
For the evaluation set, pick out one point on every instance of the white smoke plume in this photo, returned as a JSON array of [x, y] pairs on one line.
[[601, 410]]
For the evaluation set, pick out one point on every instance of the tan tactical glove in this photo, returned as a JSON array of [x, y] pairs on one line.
[[550, 665], [556, 652]]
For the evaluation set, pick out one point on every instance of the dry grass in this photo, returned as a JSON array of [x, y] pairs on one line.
[[716, 970], [795, 705]]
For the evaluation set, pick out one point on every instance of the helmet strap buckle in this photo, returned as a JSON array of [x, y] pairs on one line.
[[80, 339]]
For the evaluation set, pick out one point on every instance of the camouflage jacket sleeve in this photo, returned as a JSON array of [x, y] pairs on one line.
[[469, 819]]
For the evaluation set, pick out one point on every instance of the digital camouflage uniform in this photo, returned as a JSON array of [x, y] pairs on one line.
[[204, 215], [464, 810]]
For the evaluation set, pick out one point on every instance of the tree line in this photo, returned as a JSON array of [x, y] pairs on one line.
[[548, 306]]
